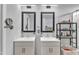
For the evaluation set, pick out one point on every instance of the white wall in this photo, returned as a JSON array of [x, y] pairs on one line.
[[38, 9], [12, 11], [67, 8], [0, 32]]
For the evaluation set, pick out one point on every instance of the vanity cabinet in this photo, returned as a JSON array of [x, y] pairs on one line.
[[50, 47], [23, 47]]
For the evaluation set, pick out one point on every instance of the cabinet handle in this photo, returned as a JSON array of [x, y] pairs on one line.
[[23, 50], [50, 50]]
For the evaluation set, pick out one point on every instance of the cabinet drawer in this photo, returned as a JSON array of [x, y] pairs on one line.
[[50, 50], [24, 51], [50, 44], [24, 44]]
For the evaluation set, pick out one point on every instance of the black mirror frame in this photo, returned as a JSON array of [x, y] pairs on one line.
[[52, 19], [34, 21]]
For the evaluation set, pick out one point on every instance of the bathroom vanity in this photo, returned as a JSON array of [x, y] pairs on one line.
[[50, 46], [24, 46]]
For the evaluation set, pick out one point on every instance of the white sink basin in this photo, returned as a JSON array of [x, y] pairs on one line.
[[49, 39], [25, 39]]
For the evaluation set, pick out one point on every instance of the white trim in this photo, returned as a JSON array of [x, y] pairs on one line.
[[4, 30]]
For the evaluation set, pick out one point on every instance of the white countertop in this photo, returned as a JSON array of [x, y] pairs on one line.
[[33, 39], [25, 39], [49, 39]]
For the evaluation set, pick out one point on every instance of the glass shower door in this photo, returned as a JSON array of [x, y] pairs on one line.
[[76, 19]]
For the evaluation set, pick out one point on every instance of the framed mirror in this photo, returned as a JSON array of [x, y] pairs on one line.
[[47, 21], [28, 21]]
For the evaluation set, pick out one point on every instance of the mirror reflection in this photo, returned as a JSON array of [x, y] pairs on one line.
[[28, 21], [47, 20]]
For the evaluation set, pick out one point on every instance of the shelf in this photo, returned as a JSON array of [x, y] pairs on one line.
[[66, 30], [71, 30], [73, 42], [66, 37], [67, 23]]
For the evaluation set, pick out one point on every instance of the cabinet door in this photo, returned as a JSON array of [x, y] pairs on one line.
[[50, 50], [24, 51], [23, 48]]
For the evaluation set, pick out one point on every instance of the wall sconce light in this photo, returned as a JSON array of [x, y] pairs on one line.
[[28, 6], [48, 7]]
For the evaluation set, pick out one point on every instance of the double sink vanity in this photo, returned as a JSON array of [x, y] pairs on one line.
[[27, 46], [34, 45]]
